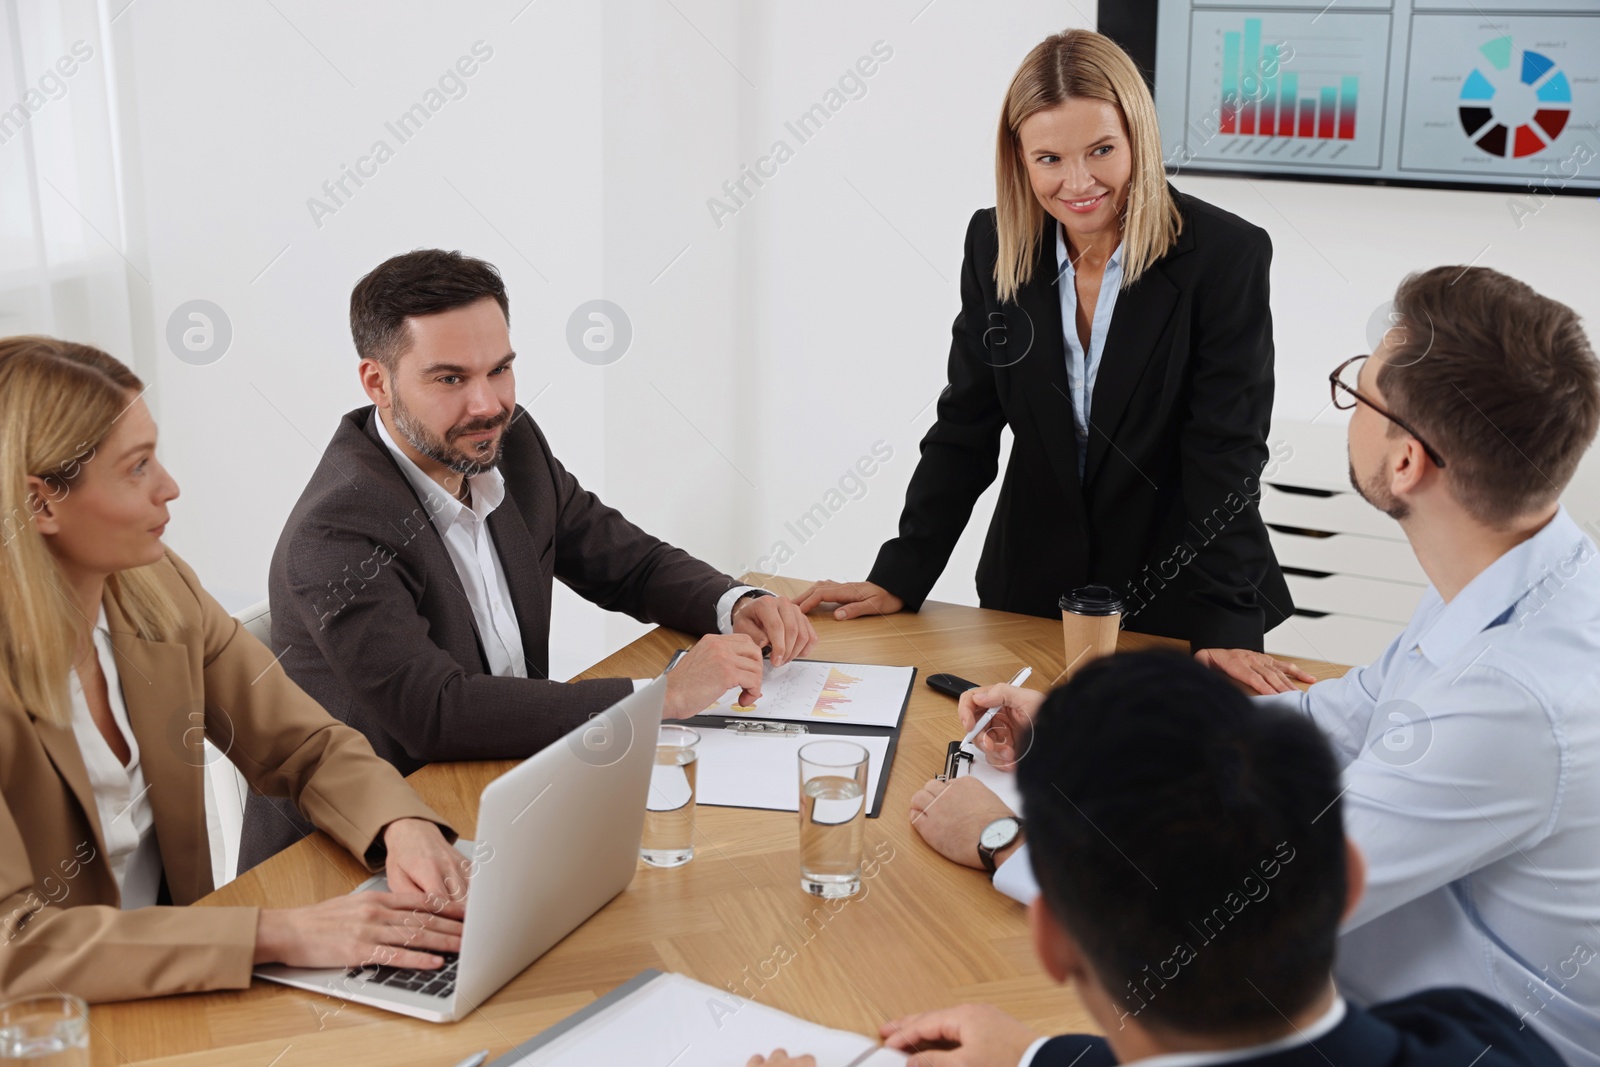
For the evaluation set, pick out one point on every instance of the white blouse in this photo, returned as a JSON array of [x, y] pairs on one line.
[[120, 793]]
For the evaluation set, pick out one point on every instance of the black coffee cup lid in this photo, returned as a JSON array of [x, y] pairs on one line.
[[1092, 600]]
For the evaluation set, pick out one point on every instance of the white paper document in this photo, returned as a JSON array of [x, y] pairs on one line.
[[676, 1020], [1003, 783], [763, 770], [804, 690]]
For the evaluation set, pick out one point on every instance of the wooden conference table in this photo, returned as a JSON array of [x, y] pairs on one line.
[[924, 933]]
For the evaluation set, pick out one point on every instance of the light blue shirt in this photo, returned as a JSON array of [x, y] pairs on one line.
[[1082, 367], [1471, 772]]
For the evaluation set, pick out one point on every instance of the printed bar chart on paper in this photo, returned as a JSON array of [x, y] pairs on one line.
[[811, 690], [748, 755]]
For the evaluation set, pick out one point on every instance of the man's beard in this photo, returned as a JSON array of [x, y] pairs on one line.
[[1377, 494], [483, 456]]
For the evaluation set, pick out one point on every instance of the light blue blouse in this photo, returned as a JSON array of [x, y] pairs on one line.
[[1083, 366]]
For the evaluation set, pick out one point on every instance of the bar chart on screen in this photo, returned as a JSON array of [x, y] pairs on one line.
[[1498, 94], [1285, 87]]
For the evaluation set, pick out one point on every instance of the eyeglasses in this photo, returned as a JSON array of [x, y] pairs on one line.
[[1345, 396]]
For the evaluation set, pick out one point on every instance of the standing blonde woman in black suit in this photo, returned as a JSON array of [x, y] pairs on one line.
[[1121, 329]]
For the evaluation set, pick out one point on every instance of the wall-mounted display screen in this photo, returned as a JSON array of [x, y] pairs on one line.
[[1501, 94]]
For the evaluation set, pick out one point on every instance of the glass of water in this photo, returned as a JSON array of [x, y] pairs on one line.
[[47, 1031], [833, 803], [669, 816]]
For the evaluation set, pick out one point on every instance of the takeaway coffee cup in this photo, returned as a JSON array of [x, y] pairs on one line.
[[1091, 615]]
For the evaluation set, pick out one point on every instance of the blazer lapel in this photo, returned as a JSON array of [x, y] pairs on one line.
[[519, 559], [437, 562], [62, 745], [1044, 369], [1137, 324], [167, 716]]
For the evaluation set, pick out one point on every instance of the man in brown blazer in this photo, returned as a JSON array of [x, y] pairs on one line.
[[62, 927], [411, 586]]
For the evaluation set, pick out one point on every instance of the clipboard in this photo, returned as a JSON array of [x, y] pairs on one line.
[[638, 1013], [962, 762], [794, 732]]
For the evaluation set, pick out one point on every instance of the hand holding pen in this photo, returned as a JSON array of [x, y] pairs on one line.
[[999, 719]]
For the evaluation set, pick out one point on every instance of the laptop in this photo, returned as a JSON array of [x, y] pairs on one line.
[[558, 838]]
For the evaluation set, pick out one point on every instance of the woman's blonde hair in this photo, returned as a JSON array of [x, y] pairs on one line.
[[1086, 65], [58, 402]]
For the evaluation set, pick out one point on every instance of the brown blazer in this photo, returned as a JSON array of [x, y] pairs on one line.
[[61, 925], [370, 618]]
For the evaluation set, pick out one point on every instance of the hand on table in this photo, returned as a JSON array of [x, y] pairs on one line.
[[949, 816], [853, 598], [973, 1035], [1007, 737], [716, 664], [775, 622], [1255, 672]]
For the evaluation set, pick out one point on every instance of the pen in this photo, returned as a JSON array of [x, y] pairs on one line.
[[988, 716], [475, 1059]]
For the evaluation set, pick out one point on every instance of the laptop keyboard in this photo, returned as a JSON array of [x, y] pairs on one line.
[[439, 983]]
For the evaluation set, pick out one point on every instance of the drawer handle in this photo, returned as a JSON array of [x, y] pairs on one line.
[[1302, 572], [1301, 490], [1309, 614], [1300, 531]]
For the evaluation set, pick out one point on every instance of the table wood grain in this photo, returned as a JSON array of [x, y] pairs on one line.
[[923, 932]]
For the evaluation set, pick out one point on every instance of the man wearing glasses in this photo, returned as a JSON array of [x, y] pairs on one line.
[[1471, 749]]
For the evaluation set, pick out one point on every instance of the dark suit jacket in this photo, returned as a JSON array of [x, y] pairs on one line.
[[371, 619], [1165, 512], [1435, 1028]]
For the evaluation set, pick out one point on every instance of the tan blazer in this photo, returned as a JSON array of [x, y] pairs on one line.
[[61, 927]]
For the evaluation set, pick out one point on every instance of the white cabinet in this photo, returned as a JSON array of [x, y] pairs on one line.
[[1352, 574]]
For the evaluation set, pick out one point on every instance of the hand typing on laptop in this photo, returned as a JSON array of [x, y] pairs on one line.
[[405, 927]]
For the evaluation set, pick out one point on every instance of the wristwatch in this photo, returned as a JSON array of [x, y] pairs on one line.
[[997, 835]]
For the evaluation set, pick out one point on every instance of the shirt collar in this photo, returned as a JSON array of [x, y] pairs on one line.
[[1330, 1019], [1493, 595], [488, 487], [1064, 258]]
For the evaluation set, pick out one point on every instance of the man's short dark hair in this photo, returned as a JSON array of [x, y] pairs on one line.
[[1502, 381], [1189, 840], [424, 282]]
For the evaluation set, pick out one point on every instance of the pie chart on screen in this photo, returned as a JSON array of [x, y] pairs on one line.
[[1514, 104]]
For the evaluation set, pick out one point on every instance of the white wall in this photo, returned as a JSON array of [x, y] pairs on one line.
[[770, 351]]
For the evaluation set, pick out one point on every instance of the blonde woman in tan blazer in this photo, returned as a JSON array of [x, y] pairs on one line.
[[112, 657]]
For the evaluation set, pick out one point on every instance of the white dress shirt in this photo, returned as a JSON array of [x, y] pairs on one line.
[[1303, 1036], [465, 530], [1083, 367], [1471, 767], [121, 797]]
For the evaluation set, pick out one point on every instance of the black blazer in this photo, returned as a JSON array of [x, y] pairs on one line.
[[1435, 1028], [370, 618], [1166, 510]]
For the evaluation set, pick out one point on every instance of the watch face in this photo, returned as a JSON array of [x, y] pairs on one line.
[[998, 834]]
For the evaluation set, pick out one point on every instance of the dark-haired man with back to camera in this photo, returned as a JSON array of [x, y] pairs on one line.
[[411, 586], [1193, 870], [1471, 748]]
